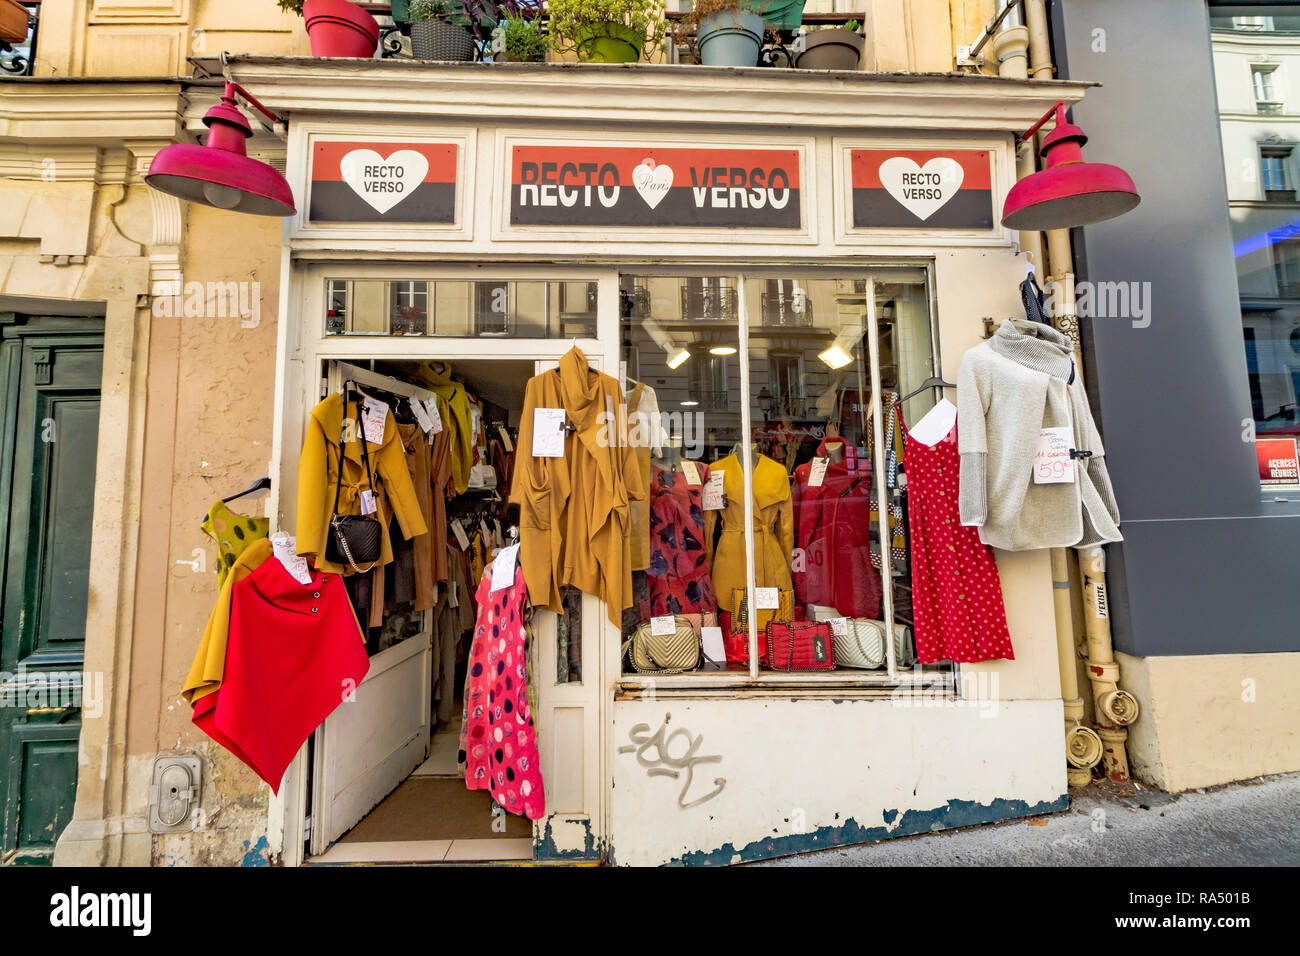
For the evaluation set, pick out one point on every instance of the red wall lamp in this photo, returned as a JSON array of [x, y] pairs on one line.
[[1067, 192], [220, 173]]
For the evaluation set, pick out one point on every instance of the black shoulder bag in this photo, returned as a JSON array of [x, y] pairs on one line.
[[353, 539]]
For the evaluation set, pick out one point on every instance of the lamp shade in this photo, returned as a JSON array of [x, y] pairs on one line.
[[1068, 192], [220, 173]]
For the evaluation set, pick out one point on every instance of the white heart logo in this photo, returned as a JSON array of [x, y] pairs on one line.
[[383, 183], [652, 181], [922, 190]]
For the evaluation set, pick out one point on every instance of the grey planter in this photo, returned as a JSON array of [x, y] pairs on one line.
[[438, 40], [830, 50]]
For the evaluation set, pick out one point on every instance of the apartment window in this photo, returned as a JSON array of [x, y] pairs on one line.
[[1262, 82], [1252, 24], [1274, 173]]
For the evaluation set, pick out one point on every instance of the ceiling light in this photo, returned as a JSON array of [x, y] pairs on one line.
[[723, 350], [835, 356], [677, 360], [689, 404]]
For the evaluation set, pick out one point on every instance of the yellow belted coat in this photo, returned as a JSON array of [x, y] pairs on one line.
[[318, 472]]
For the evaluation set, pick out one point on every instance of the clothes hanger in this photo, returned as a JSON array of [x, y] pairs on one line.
[[934, 381], [262, 484]]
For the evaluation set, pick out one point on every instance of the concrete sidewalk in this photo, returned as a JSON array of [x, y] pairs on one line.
[[1255, 823]]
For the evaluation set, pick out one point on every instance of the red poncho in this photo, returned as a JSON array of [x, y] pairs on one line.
[[293, 653]]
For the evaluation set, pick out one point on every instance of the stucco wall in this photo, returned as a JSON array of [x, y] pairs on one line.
[[210, 415]]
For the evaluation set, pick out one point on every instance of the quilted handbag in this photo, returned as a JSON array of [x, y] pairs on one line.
[[863, 643], [651, 653], [737, 642], [800, 646]]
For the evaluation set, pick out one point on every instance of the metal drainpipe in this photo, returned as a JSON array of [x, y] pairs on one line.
[[1114, 709], [1083, 747]]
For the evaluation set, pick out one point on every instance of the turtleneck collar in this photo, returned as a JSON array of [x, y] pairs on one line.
[[1041, 348]]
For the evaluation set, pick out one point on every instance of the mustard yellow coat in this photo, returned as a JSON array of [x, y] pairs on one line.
[[209, 664], [773, 529], [574, 521], [458, 424], [318, 471]]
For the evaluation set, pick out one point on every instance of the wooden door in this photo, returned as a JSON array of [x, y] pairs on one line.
[[50, 371]]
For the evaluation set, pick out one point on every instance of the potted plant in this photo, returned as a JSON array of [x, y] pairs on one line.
[[725, 32], [608, 31], [834, 48], [440, 30], [336, 27], [521, 41]]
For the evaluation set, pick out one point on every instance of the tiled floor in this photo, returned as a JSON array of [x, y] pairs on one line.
[[442, 753]]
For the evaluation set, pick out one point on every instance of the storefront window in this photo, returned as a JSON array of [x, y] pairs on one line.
[[823, 446], [497, 308], [1256, 61]]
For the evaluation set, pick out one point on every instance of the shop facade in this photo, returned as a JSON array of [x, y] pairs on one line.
[[546, 208]]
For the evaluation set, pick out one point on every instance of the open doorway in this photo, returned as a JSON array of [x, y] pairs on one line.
[[386, 785]]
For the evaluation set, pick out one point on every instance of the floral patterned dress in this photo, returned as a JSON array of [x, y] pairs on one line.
[[498, 742], [958, 613], [679, 568]]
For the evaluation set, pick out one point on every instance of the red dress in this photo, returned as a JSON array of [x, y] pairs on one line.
[[293, 654], [678, 574], [958, 614], [498, 744], [832, 525]]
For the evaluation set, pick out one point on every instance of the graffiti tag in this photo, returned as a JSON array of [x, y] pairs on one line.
[[665, 764]]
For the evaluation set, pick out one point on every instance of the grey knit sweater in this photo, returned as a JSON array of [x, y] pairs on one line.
[[1009, 388]]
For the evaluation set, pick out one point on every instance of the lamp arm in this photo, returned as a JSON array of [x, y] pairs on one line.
[[1058, 108], [232, 88]]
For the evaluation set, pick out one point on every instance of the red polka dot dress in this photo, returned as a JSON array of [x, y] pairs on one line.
[[958, 614], [498, 745]]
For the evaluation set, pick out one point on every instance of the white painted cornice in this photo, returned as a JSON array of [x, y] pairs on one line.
[[574, 93], [103, 112]]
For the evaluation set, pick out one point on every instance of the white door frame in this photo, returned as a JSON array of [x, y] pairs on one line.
[[303, 347]]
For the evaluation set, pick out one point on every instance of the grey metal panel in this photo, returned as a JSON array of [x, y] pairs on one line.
[[1171, 398]]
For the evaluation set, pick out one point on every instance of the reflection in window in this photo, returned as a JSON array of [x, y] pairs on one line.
[[811, 396], [485, 308], [1259, 155]]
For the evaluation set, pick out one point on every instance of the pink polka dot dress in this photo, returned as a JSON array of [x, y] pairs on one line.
[[958, 614], [498, 745]]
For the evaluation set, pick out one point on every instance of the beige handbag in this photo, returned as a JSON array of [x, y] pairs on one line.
[[863, 643], [651, 653]]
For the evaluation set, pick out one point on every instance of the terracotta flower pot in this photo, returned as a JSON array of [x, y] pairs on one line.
[[13, 20], [340, 28]]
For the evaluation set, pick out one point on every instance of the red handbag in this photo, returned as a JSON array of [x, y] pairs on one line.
[[800, 646]]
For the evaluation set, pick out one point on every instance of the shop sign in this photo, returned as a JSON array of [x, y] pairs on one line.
[[921, 189], [383, 182], [654, 187], [1279, 463]]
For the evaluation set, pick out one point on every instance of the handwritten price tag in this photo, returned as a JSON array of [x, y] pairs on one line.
[[1052, 462]]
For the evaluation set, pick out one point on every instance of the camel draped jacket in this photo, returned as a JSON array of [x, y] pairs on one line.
[[574, 518]]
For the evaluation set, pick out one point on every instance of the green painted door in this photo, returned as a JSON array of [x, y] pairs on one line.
[[50, 371]]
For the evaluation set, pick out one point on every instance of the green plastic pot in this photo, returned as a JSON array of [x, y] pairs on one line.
[[607, 43], [730, 38]]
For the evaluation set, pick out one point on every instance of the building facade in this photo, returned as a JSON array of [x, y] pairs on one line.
[[186, 346]]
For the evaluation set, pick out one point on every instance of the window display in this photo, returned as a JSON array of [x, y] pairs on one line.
[[780, 529]]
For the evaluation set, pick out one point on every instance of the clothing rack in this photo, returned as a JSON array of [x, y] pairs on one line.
[[340, 372]]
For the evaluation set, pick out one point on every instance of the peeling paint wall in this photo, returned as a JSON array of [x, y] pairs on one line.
[[798, 775]]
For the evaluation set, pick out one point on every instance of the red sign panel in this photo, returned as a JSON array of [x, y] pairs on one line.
[[922, 188], [1279, 463], [654, 187], [383, 182]]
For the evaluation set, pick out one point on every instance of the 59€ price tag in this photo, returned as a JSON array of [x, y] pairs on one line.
[[712, 499], [1052, 462]]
